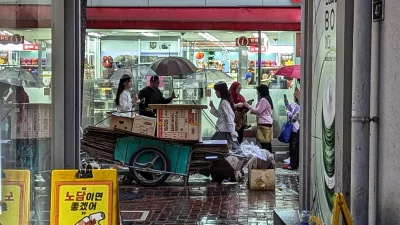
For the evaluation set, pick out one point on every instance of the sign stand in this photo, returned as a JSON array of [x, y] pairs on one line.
[[15, 197], [84, 197]]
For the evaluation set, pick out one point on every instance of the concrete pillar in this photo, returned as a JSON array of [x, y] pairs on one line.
[[344, 70], [306, 103], [360, 111], [66, 86]]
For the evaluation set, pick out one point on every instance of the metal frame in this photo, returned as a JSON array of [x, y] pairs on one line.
[[306, 168], [66, 91], [344, 70]]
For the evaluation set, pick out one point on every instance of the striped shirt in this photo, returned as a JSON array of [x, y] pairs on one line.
[[225, 117]]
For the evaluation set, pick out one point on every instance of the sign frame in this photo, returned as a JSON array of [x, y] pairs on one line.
[[378, 10], [21, 179], [82, 179]]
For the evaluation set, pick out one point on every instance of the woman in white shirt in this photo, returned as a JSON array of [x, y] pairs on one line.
[[123, 99], [225, 125]]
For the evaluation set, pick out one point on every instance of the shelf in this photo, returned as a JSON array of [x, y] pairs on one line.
[[104, 100], [269, 67], [104, 110], [32, 65]]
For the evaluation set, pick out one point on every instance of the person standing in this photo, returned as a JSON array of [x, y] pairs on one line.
[[225, 126], [152, 95], [18, 95], [240, 111], [123, 99], [293, 113], [263, 111]]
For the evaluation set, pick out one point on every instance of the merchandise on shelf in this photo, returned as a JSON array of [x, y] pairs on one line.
[[3, 57], [31, 61]]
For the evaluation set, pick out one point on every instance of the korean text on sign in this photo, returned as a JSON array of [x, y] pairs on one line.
[[84, 205]]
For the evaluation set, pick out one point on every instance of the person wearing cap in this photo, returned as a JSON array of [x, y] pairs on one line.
[[152, 95]]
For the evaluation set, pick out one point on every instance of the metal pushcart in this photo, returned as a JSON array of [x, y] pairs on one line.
[[151, 160]]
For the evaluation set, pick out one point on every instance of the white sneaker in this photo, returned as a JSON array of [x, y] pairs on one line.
[[287, 161]]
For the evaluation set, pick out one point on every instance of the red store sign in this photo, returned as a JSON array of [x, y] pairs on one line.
[[255, 49], [31, 47], [244, 41], [15, 39]]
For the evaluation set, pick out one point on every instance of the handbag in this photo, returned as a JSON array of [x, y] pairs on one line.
[[264, 134], [284, 137]]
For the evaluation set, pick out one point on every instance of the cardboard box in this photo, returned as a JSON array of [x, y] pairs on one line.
[[31, 121], [262, 180], [179, 122], [144, 125], [122, 123]]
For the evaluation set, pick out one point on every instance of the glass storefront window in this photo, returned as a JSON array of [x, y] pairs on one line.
[[26, 124], [224, 56]]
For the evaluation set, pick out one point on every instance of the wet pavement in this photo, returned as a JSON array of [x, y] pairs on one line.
[[204, 202]]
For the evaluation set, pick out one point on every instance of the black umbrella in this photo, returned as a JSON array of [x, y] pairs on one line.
[[173, 66]]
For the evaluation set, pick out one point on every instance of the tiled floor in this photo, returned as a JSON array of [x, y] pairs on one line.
[[203, 202]]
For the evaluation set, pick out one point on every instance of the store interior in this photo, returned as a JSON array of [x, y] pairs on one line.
[[133, 51]]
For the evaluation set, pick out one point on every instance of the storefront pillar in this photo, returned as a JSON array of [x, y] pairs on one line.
[[66, 90], [306, 104], [360, 126], [344, 67]]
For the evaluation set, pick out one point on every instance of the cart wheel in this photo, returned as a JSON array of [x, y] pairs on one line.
[[149, 158]]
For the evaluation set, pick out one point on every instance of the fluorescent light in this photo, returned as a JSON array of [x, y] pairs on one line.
[[208, 37], [148, 34], [230, 32], [94, 34], [28, 30], [114, 32], [4, 32]]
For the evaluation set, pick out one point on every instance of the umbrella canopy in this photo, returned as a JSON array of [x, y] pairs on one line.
[[117, 75], [173, 66], [213, 75], [17, 76], [289, 71]]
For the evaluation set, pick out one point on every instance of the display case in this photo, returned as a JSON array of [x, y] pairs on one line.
[[188, 90], [166, 85]]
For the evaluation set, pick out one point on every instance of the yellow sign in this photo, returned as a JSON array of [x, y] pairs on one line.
[[15, 189], [84, 201]]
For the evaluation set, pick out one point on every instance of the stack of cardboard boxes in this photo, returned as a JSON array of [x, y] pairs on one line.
[[178, 122]]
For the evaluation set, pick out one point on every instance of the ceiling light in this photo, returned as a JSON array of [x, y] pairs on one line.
[[114, 32], [94, 34], [230, 32], [28, 30], [148, 34], [4, 32]]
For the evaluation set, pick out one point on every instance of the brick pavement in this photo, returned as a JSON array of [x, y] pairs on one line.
[[203, 202]]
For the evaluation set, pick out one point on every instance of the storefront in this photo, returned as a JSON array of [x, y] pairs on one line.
[[39, 92], [223, 38], [234, 53], [43, 134]]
